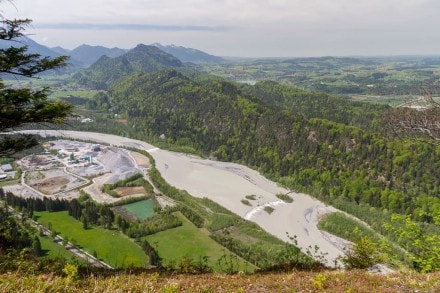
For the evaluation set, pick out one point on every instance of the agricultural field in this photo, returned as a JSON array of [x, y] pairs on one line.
[[193, 243], [86, 94], [111, 246], [130, 190], [375, 78]]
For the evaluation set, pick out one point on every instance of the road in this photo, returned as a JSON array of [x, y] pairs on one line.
[[60, 240]]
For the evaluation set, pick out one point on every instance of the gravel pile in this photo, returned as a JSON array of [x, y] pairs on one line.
[[119, 163]]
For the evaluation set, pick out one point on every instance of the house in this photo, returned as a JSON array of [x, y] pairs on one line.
[[7, 168], [3, 176]]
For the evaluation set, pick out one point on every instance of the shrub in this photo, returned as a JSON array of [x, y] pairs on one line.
[[251, 197], [269, 209], [71, 272], [284, 197], [362, 255], [246, 202]]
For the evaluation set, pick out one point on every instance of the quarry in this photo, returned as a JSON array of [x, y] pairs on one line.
[[68, 167]]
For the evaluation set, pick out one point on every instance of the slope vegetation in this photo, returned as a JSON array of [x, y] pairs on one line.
[[142, 58], [354, 169]]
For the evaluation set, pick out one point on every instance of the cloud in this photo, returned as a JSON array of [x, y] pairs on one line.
[[244, 27], [130, 27]]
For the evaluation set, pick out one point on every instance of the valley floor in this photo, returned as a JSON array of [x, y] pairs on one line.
[[228, 184]]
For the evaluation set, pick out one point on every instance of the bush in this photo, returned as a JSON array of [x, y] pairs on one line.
[[362, 255], [246, 202], [269, 209], [284, 197]]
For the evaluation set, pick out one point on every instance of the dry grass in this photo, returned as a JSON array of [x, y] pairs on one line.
[[126, 191], [327, 281]]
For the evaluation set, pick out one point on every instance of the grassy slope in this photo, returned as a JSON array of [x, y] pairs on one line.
[[189, 241], [351, 229], [117, 252], [55, 251], [88, 94], [327, 281]]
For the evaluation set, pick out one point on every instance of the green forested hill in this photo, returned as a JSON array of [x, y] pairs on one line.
[[319, 105], [142, 58], [328, 159]]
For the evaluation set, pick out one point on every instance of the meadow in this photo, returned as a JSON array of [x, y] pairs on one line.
[[110, 246], [351, 229], [190, 242], [52, 250]]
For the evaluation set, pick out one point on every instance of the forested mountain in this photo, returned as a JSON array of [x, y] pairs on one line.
[[90, 54], [327, 159], [142, 58], [318, 104], [189, 54]]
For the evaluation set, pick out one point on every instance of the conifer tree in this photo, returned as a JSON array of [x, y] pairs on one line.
[[20, 106]]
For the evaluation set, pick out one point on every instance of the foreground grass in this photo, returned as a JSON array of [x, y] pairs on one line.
[[111, 246], [326, 281], [188, 241]]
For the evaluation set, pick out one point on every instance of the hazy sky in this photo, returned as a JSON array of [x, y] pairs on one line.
[[253, 28]]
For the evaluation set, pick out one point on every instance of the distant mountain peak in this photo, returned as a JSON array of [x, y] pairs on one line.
[[189, 54], [88, 54], [142, 58]]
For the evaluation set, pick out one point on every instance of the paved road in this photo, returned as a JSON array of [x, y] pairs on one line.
[[59, 240]]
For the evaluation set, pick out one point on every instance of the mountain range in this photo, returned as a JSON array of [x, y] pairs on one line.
[[189, 54], [85, 55], [88, 55], [142, 58]]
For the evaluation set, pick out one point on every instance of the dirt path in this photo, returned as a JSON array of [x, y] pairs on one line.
[[95, 189]]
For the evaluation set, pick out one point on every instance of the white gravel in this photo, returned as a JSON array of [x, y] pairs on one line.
[[228, 184]]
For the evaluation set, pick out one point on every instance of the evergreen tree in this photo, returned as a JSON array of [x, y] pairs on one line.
[[19, 106], [36, 246]]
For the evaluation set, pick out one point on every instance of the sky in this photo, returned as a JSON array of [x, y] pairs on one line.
[[241, 28]]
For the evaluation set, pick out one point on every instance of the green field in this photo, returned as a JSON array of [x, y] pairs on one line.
[[53, 250], [194, 243], [111, 246], [141, 210], [88, 94]]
